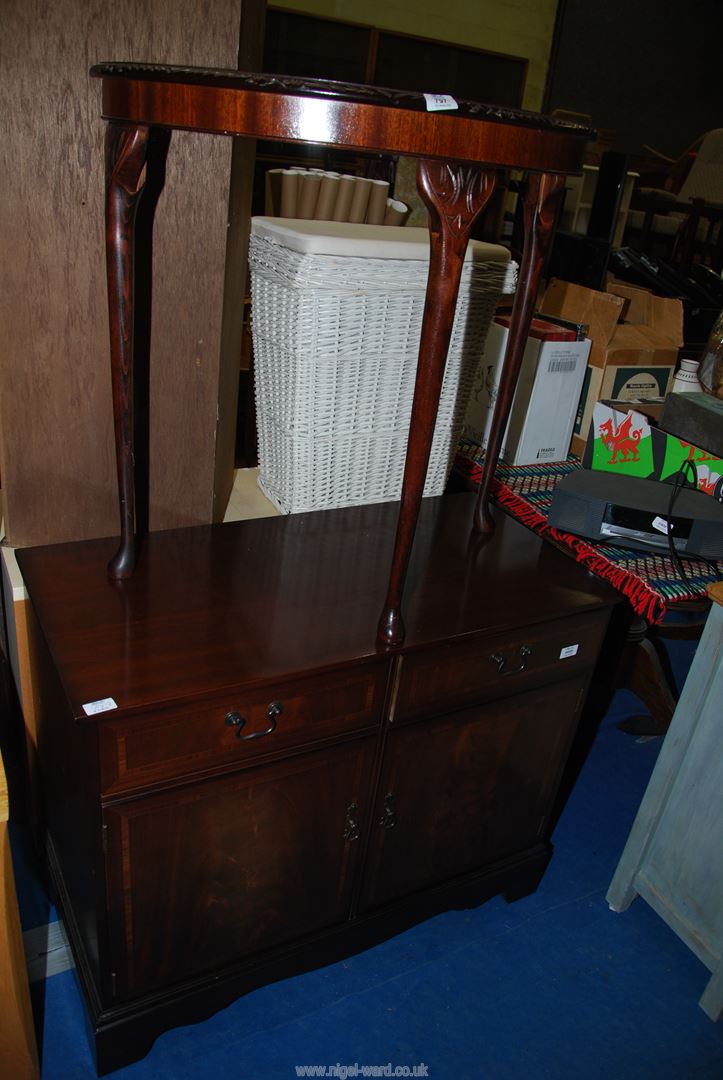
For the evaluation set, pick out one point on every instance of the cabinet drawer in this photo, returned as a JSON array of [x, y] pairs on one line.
[[236, 725], [463, 673]]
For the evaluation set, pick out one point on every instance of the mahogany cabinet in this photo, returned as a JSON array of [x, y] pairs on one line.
[[274, 790]]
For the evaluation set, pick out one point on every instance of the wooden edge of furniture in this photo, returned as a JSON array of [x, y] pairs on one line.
[[460, 152], [715, 592], [342, 115], [18, 1047]]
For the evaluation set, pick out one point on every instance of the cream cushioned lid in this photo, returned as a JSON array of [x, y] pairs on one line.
[[369, 241]]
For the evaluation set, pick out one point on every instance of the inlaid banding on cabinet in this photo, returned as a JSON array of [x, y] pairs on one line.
[[150, 748]]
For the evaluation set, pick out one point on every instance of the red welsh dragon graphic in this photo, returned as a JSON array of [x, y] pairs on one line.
[[621, 440]]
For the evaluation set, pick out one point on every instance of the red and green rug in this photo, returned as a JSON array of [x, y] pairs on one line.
[[651, 583]]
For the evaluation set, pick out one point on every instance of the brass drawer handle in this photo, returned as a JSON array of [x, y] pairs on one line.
[[235, 719], [500, 660]]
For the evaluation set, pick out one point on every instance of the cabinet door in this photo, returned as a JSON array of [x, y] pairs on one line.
[[466, 789], [212, 872]]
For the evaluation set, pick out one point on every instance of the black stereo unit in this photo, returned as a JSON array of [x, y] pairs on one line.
[[631, 512]]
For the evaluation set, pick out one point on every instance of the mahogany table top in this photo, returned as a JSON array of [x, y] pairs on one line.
[[337, 114]]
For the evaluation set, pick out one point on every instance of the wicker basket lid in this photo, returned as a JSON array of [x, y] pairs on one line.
[[371, 241]]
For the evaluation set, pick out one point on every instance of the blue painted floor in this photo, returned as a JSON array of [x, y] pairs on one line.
[[555, 985]]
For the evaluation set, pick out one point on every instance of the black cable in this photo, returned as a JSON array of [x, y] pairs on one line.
[[676, 487]]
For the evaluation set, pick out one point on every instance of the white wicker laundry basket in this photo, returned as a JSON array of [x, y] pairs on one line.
[[336, 317]]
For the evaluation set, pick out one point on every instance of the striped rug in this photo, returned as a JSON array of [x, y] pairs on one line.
[[651, 583]]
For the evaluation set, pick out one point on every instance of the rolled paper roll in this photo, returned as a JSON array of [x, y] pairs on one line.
[[289, 192], [327, 196], [397, 212], [360, 200], [377, 208], [309, 184], [272, 196], [344, 193]]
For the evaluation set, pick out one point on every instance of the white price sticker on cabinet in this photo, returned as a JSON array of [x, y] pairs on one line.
[[569, 650], [662, 525], [103, 705], [440, 102]]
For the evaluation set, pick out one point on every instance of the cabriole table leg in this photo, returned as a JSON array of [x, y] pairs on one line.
[[542, 200], [125, 156], [455, 195]]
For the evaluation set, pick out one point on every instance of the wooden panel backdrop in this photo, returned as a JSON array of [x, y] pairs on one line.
[[57, 463]]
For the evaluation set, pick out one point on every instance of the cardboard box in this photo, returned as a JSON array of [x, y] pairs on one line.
[[653, 408], [635, 341], [546, 397], [625, 442]]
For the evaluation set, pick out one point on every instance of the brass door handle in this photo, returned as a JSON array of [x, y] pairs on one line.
[[351, 828], [389, 812]]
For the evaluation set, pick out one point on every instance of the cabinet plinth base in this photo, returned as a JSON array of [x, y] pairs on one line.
[[122, 1035]]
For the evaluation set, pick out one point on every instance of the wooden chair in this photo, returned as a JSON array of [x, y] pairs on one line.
[[682, 221]]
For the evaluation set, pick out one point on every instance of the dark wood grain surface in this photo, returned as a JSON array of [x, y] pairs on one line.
[[460, 673], [328, 89], [314, 110], [246, 602], [216, 872], [141, 751], [468, 788]]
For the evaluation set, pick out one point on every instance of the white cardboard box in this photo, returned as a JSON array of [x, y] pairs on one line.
[[545, 402]]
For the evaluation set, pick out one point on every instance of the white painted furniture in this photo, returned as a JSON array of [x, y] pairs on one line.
[[674, 854]]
